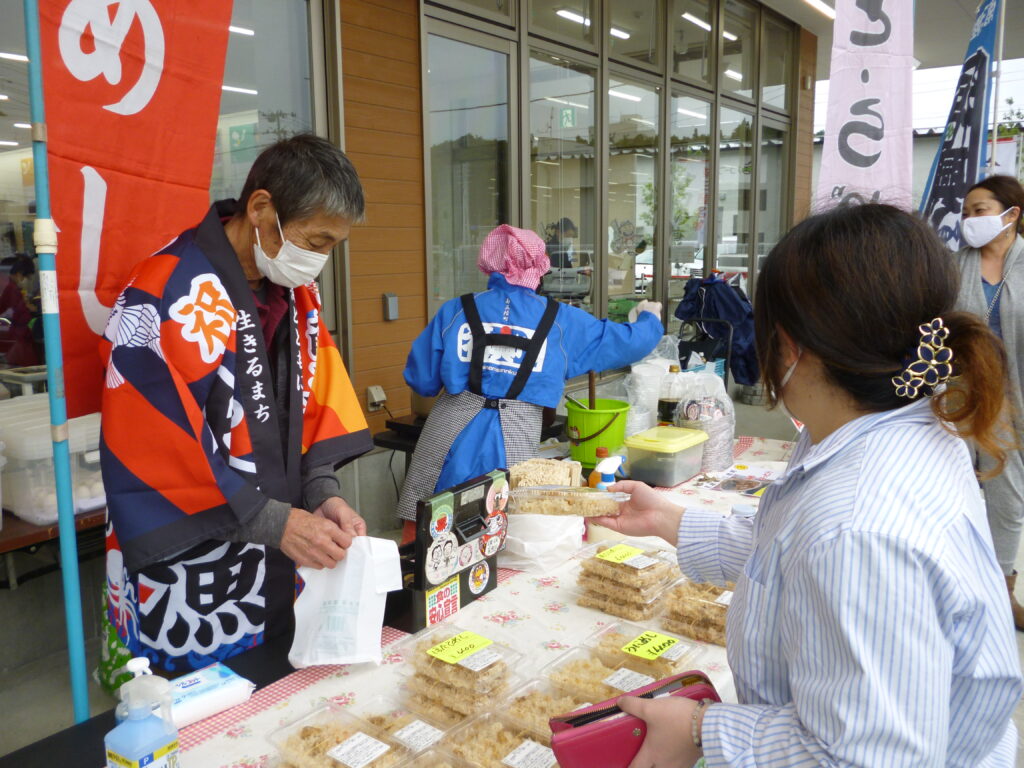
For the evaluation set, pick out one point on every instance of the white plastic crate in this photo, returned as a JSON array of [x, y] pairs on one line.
[[28, 480]]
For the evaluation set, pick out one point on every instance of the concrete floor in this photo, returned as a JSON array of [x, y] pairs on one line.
[[35, 698]]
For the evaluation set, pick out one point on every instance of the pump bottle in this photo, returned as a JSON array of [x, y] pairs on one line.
[[146, 735]]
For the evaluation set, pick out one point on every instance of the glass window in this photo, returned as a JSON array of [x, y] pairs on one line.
[[691, 39], [633, 245], [571, 20], [736, 68], [469, 160], [633, 35], [778, 62], [500, 9], [563, 200], [772, 190], [267, 90], [733, 211], [689, 180]]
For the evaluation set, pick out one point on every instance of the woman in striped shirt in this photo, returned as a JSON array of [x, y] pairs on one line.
[[869, 624]]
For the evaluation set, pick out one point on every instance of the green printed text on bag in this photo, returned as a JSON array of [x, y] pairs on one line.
[[460, 647]]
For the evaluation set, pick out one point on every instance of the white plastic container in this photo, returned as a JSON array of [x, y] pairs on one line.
[[28, 480], [665, 456]]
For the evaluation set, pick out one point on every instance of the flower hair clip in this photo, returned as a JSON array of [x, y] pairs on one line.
[[929, 365]]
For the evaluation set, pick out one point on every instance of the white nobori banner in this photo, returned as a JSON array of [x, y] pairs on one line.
[[868, 128]]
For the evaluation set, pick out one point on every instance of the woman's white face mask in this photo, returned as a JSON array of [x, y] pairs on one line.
[[979, 231], [785, 380], [293, 266]]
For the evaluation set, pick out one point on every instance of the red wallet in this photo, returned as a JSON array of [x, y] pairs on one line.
[[603, 735]]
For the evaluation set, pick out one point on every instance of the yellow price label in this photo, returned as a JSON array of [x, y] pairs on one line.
[[459, 648], [620, 553], [650, 645]]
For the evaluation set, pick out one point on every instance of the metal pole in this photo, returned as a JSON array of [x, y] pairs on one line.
[[45, 237], [990, 167]]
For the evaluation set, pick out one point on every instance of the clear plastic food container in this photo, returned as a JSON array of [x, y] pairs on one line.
[[644, 649], [330, 737], [665, 456], [436, 758], [582, 674], [535, 702], [565, 500], [495, 741], [388, 714], [697, 611], [452, 673], [630, 563]]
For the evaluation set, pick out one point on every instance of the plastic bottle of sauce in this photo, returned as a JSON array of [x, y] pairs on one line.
[[670, 396]]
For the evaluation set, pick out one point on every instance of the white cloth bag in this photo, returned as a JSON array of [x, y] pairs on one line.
[[538, 543]]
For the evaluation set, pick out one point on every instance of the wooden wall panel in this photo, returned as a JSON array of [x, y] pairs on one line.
[[803, 128], [384, 137]]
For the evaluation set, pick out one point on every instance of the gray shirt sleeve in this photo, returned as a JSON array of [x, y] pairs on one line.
[[319, 485]]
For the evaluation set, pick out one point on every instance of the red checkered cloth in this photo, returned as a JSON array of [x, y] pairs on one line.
[[195, 734]]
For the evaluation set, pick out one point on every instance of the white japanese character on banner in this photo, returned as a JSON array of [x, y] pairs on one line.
[[245, 321], [253, 367], [257, 391], [206, 316], [263, 412], [249, 343], [104, 54]]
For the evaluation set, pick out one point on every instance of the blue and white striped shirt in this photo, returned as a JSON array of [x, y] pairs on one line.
[[870, 624]]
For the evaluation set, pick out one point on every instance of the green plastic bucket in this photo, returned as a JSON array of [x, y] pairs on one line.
[[588, 428]]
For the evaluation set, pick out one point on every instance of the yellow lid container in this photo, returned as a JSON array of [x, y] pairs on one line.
[[666, 439]]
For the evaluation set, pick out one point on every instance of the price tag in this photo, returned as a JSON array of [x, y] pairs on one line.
[[418, 735], [480, 660], [627, 680], [620, 553], [654, 645], [358, 750], [640, 562], [462, 646], [725, 598], [530, 754]]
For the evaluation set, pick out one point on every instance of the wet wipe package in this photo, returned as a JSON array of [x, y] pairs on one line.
[[453, 560]]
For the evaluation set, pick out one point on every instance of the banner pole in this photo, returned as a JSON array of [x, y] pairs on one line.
[[45, 238], [990, 167]]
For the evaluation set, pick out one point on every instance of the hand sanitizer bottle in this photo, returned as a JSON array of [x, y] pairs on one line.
[[146, 735]]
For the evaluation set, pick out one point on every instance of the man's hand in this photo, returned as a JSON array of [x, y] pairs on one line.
[[314, 541], [647, 513], [341, 514], [669, 740]]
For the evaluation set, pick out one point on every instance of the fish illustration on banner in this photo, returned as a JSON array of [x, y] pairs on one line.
[[867, 150], [132, 97], [963, 153]]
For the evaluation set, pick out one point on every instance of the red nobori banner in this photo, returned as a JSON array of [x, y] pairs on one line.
[[132, 97]]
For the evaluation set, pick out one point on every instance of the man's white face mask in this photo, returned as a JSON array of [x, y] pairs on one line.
[[293, 266]]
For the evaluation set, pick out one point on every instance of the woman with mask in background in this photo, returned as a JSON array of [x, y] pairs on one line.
[[992, 286]]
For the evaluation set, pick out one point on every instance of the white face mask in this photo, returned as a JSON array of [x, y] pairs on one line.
[[293, 266], [785, 380], [979, 231]]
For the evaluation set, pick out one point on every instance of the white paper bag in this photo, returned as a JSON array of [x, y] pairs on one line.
[[538, 543], [339, 615]]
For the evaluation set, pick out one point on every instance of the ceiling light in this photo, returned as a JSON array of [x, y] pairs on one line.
[[546, 162], [567, 103], [8, 143], [23, 125], [821, 7], [691, 113], [699, 22], [13, 56], [734, 74], [242, 30], [729, 36], [573, 16], [626, 96], [619, 34], [4, 97], [540, 186], [235, 89], [641, 121]]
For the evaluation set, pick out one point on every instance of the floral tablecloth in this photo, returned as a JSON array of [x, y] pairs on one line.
[[536, 615]]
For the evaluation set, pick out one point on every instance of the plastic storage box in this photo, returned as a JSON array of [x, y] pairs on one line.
[[28, 483], [644, 649], [537, 701], [697, 611], [582, 674], [495, 741], [331, 736], [387, 714], [665, 456]]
